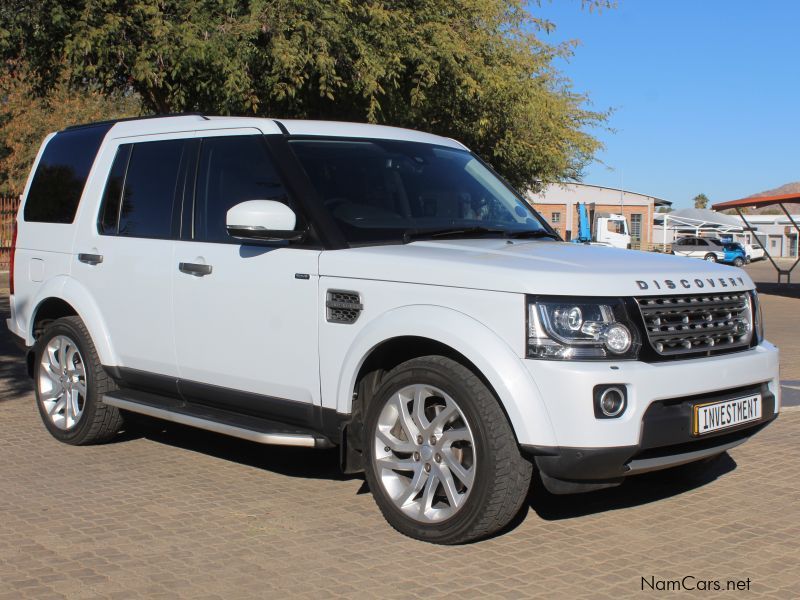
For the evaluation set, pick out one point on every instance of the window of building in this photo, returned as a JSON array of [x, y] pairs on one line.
[[636, 226], [555, 217], [232, 169]]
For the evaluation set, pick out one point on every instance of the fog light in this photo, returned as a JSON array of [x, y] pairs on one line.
[[610, 401], [617, 338]]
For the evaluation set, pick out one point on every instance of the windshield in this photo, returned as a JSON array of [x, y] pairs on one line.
[[382, 191]]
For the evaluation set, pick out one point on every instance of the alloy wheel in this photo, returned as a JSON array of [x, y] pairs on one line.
[[424, 453], [62, 382]]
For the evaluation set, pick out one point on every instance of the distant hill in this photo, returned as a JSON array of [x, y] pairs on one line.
[[787, 188]]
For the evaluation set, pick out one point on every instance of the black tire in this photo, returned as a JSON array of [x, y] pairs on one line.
[[97, 422], [502, 475], [748, 260], [738, 261], [710, 257]]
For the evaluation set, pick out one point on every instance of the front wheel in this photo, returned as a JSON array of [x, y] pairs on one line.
[[711, 257], [441, 458], [738, 261]]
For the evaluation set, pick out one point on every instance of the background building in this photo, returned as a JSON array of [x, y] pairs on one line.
[[558, 204], [775, 233]]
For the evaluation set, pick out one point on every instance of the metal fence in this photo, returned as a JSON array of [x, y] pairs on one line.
[[8, 213]]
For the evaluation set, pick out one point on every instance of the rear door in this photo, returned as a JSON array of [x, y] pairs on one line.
[[701, 248], [245, 313], [684, 247], [125, 256]]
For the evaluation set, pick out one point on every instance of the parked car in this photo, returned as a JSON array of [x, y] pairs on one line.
[[320, 284], [710, 249], [753, 252], [734, 254]]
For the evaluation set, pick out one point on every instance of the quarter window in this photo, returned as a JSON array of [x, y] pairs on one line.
[[61, 175], [232, 169]]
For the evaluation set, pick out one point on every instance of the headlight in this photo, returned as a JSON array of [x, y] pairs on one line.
[[580, 329], [758, 317]]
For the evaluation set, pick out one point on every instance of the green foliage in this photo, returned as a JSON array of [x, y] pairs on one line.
[[700, 201], [476, 70], [26, 119]]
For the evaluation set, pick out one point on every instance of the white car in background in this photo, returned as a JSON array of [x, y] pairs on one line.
[[753, 251]]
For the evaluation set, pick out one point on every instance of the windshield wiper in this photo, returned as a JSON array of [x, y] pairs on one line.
[[529, 233], [416, 234]]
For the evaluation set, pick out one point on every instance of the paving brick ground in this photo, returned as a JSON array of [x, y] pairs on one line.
[[173, 513]]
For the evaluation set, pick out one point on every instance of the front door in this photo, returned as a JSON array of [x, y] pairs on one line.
[[245, 314]]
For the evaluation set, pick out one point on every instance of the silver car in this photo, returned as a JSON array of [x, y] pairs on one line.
[[696, 247]]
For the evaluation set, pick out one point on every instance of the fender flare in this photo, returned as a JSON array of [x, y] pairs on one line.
[[491, 355], [76, 295]]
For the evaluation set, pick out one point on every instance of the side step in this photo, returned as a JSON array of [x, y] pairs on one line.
[[261, 431]]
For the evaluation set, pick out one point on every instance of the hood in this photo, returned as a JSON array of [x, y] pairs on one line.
[[534, 267]]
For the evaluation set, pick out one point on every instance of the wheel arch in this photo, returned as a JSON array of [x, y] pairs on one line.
[[63, 296], [408, 332]]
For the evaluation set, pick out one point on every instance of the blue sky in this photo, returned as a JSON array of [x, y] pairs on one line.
[[706, 93]]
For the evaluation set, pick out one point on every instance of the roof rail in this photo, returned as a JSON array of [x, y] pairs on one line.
[[146, 117]]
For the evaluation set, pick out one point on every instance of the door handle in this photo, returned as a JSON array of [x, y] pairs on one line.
[[90, 259], [194, 269]]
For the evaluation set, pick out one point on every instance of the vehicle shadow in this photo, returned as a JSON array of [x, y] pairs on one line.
[[14, 380], [787, 290], [306, 463], [634, 491]]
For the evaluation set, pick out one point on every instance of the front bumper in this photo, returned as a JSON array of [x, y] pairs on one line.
[[654, 432]]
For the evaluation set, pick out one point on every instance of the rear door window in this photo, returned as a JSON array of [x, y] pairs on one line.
[[142, 201], [112, 196]]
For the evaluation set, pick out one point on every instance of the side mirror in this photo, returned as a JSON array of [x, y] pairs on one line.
[[262, 220]]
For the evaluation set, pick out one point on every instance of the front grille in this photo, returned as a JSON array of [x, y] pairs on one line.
[[343, 306], [698, 323]]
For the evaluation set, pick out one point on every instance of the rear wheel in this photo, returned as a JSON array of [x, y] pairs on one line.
[[70, 383], [710, 257], [441, 458], [738, 261]]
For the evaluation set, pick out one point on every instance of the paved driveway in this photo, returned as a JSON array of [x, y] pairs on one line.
[[168, 512]]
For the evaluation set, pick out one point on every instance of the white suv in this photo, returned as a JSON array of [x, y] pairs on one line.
[[377, 289]]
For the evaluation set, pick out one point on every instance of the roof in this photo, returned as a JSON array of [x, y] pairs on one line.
[[541, 196], [166, 124], [698, 218], [756, 201]]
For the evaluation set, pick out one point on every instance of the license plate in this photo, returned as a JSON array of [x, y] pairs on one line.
[[727, 413]]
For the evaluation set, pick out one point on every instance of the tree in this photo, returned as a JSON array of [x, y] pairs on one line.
[[664, 209], [26, 119], [701, 201], [476, 70]]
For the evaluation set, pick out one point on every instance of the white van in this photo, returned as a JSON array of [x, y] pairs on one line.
[[381, 290]]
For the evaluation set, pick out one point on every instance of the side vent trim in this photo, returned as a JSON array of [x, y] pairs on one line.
[[343, 306]]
